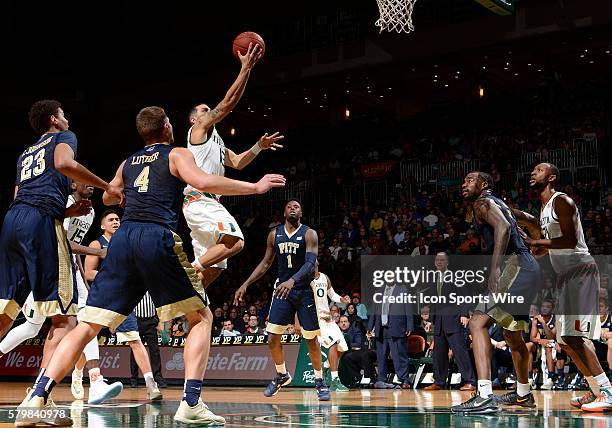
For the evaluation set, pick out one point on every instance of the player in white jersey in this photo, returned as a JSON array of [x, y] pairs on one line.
[[578, 277], [76, 229], [215, 233], [331, 336]]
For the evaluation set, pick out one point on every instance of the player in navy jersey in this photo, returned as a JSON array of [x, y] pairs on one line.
[[34, 250], [520, 277], [146, 254], [296, 246]]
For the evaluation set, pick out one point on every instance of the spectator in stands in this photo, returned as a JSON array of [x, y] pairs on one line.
[[399, 235], [253, 327], [362, 311], [179, 328], [376, 224], [421, 249], [290, 329], [244, 323], [228, 329], [351, 236], [430, 220], [357, 359]]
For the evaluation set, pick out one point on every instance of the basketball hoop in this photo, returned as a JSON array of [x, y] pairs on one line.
[[395, 15]]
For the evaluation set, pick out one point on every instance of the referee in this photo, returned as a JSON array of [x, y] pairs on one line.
[[147, 328]]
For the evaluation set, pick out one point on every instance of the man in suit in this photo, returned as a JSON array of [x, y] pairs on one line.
[[449, 326], [391, 324], [357, 358]]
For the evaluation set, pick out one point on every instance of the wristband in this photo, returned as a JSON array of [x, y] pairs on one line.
[[256, 148]]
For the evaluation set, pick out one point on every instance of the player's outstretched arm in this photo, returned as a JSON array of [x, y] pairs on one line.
[[525, 219], [240, 161], [568, 222], [92, 262], [88, 251], [182, 166], [261, 268], [117, 184], [206, 120], [63, 159]]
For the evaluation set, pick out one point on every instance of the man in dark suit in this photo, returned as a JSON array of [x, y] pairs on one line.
[[357, 358], [391, 324], [449, 326]]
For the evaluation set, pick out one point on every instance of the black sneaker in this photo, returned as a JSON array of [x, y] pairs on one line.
[[513, 399], [477, 404]]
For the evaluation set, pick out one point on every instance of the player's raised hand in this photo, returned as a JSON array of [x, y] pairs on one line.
[[269, 181], [239, 295], [250, 58], [79, 208], [283, 289], [269, 141], [345, 299]]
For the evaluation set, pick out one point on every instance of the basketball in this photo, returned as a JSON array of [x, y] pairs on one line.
[[242, 40]]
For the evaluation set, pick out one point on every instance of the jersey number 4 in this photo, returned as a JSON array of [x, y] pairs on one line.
[[26, 165], [142, 181]]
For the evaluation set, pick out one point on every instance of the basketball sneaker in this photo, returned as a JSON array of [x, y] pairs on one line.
[[100, 391], [513, 399], [32, 408], [154, 392], [548, 384], [337, 386], [76, 387], [322, 390], [279, 381], [587, 398], [198, 414], [477, 404], [601, 403]]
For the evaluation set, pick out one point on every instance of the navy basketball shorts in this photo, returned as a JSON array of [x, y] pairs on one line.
[[143, 257], [35, 255], [128, 329], [521, 277], [282, 313]]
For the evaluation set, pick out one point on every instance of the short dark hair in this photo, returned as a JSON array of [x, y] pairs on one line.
[[150, 122], [486, 178], [554, 171], [552, 303], [40, 114], [193, 111], [293, 200], [109, 212]]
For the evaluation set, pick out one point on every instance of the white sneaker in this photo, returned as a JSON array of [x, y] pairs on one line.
[[154, 392], [198, 414], [31, 409], [548, 384], [100, 391], [600, 404], [76, 387]]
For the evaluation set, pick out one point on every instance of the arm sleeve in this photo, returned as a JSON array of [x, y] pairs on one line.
[[307, 269]]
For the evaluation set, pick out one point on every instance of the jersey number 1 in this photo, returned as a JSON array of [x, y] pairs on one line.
[[142, 181], [289, 265]]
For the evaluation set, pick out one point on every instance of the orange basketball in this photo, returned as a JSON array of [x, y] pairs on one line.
[[242, 40]]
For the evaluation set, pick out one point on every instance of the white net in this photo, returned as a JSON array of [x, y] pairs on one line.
[[395, 15]]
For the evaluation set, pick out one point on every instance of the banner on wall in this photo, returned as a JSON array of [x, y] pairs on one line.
[[377, 169], [240, 362]]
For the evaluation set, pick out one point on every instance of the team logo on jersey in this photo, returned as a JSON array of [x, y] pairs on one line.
[[299, 238], [582, 327], [223, 227]]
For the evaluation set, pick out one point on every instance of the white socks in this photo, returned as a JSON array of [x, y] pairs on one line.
[[77, 374], [485, 388], [522, 389], [318, 374], [280, 368], [603, 381], [334, 375]]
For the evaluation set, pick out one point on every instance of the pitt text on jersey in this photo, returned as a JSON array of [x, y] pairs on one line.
[[288, 247]]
